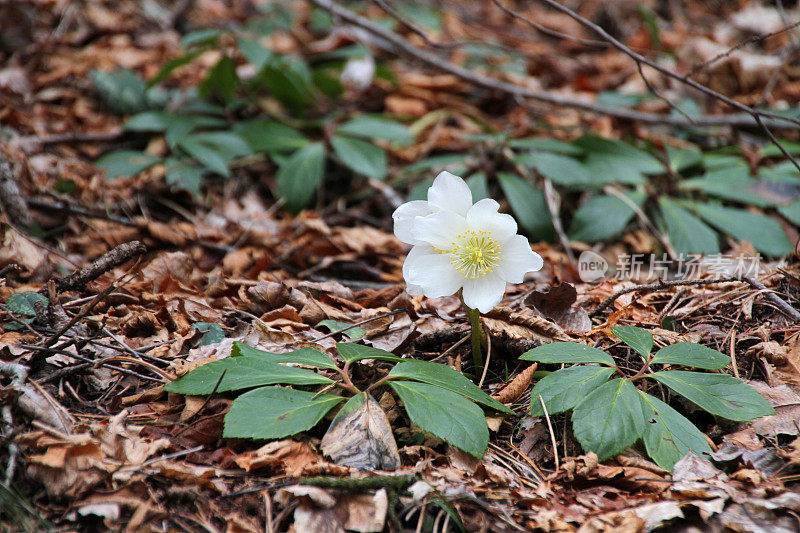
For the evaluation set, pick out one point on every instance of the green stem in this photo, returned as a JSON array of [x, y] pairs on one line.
[[478, 338]]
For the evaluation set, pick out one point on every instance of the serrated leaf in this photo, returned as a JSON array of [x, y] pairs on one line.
[[609, 419], [447, 378], [567, 352], [361, 156], [559, 169], [303, 356], [529, 206], [691, 354], [126, 163], [448, 415], [377, 128], [639, 339], [221, 81], [335, 326], [763, 232], [275, 412], [352, 352], [299, 177], [719, 394], [668, 435], [23, 303], [687, 233], [212, 333], [265, 135], [602, 217], [564, 389], [242, 373]]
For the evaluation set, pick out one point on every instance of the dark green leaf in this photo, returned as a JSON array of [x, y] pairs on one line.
[[479, 186], [737, 184], [221, 81], [560, 169], [377, 128], [215, 149], [447, 415], [564, 389], [545, 144], [303, 356], [184, 174], [212, 333], [289, 81], [602, 217], [242, 373], [276, 412], [567, 352], [529, 206], [639, 339], [447, 378], [352, 352], [122, 90], [791, 212], [680, 159], [763, 232], [719, 394], [148, 121], [265, 135], [687, 233], [668, 435], [361, 156], [207, 37], [354, 333], [299, 177], [609, 419], [23, 303], [617, 161], [771, 150], [691, 354], [124, 163]]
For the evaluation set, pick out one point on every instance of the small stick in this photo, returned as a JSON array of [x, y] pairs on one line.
[[734, 364], [488, 358], [552, 434], [114, 257]]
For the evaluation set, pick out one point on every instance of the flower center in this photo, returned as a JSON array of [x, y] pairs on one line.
[[474, 254]]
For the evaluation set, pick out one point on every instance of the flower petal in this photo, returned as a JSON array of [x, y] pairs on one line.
[[450, 193], [428, 272], [440, 230], [484, 216], [404, 218], [484, 293], [517, 259]]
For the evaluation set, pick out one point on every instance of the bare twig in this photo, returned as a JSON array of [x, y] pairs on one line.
[[779, 302], [398, 44], [115, 257], [552, 434], [61, 207], [553, 202], [547, 31]]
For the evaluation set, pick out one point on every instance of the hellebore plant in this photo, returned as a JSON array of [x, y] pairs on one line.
[[462, 247]]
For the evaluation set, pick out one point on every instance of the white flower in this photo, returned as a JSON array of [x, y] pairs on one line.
[[358, 72], [458, 245]]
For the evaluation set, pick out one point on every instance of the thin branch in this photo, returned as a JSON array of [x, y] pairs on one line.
[[399, 45]]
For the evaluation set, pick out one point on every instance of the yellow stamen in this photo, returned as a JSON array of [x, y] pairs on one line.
[[474, 254]]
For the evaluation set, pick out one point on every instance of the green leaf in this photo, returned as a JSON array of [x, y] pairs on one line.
[[242, 373], [334, 326], [545, 144], [208, 37], [738, 185], [680, 159], [691, 354], [370, 127], [719, 394], [23, 303], [763, 232], [148, 121], [529, 206], [124, 163], [352, 352], [303, 356], [609, 419], [560, 169], [617, 161], [265, 135], [170, 66], [221, 81], [479, 186], [564, 389], [360, 156], [212, 333], [447, 415], [275, 412], [771, 150], [122, 90], [289, 81], [447, 378], [687, 233], [602, 217], [299, 177], [567, 352], [791, 212], [215, 149], [668, 435], [639, 339], [183, 173]]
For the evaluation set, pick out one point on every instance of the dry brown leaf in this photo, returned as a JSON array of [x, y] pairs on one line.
[[557, 305], [284, 455], [503, 322], [516, 387]]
